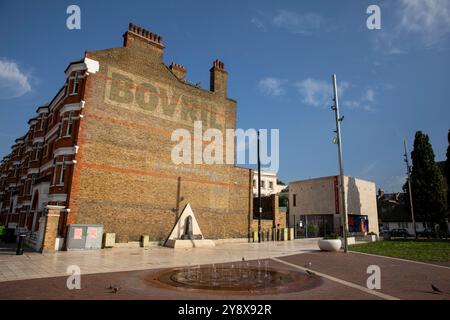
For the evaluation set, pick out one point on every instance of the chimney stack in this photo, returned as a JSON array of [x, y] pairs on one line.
[[137, 37], [218, 82], [178, 70]]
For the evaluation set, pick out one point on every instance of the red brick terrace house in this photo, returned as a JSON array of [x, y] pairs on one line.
[[100, 152]]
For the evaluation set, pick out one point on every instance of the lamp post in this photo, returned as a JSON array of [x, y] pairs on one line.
[[408, 170], [339, 119], [259, 194]]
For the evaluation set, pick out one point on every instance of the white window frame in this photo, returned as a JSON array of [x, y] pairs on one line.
[[75, 86], [55, 166], [61, 174], [36, 154], [69, 125]]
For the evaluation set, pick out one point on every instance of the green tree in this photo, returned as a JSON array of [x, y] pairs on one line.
[[426, 182]]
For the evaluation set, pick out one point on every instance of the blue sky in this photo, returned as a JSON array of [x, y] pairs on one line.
[[280, 57]]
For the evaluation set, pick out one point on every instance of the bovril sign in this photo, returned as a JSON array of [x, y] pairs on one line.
[[135, 93]]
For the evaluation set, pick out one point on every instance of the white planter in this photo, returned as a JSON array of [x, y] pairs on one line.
[[330, 244], [371, 238]]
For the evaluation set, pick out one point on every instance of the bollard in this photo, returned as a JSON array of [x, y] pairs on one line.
[[291, 234], [19, 250], [255, 236], [284, 234]]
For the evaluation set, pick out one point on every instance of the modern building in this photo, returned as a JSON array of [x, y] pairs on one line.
[[100, 152], [315, 208], [269, 183]]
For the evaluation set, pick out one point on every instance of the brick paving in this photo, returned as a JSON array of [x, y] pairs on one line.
[[44, 276], [34, 265], [399, 278], [133, 286]]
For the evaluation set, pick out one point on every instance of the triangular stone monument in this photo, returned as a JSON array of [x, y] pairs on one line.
[[186, 233]]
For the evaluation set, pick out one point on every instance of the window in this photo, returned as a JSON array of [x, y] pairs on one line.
[[54, 172], [254, 182], [28, 187], [50, 121], [69, 124], [294, 200], [42, 123], [50, 151], [270, 184], [37, 153], [45, 151], [75, 84], [63, 171]]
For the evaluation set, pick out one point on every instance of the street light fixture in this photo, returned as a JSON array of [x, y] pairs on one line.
[[338, 138]]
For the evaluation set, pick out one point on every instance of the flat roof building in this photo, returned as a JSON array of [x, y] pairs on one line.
[[269, 183], [316, 203]]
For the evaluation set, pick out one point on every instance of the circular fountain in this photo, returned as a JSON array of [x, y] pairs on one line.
[[238, 278]]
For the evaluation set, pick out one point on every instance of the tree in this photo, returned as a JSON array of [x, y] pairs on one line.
[[427, 183]]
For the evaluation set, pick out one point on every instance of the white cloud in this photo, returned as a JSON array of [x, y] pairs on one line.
[[357, 105], [13, 82], [418, 23], [428, 18], [364, 103], [318, 93], [272, 86], [306, 24], [259, 24], [369, 95]]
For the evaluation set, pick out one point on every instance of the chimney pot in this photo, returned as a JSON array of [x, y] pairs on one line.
[[218, 78], [146, 36]]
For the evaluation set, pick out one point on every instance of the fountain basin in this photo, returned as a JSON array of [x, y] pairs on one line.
[[234, 279]]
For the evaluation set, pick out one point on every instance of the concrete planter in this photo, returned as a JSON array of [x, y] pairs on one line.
[[350, 241], [330, 244], [370, 238]]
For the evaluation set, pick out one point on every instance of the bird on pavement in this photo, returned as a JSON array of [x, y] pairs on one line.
[[436, 289], [114, 288], [310, 273], [308, 265]]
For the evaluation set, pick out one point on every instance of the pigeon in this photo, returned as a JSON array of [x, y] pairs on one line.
[[114, 288], [310, 273], [435, 289]]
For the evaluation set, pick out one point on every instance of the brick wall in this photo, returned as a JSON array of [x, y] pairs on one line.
[[124, 177]]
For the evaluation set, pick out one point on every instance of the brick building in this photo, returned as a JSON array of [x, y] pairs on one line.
[[100, 151]]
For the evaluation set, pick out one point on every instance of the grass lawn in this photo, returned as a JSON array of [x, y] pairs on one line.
[[419, 250]]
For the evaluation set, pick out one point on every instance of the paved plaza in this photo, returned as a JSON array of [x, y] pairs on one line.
[[33, 265], [339, 276]]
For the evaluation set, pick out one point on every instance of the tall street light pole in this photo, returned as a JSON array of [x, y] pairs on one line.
[[408, 170], [259, 194], [339, 119]]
